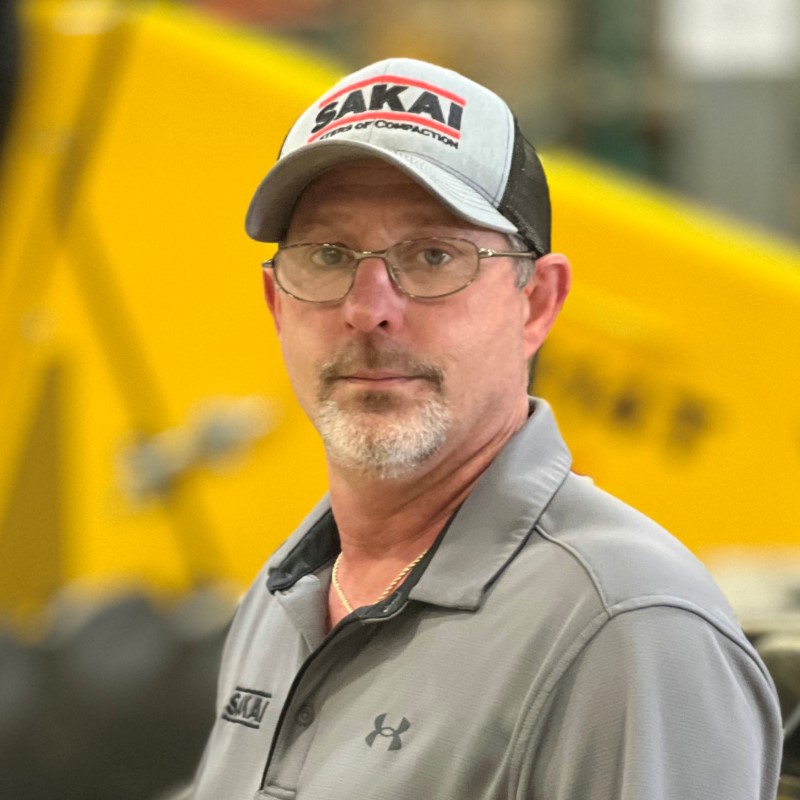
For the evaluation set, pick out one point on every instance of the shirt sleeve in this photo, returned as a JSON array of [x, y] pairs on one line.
[[659, 705]]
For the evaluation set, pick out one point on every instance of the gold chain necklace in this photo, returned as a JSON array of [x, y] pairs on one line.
[[399, 577]]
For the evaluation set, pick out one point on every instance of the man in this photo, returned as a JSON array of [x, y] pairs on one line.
[[462, 617]]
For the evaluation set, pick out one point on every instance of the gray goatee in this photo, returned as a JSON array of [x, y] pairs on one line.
[[378, 433]]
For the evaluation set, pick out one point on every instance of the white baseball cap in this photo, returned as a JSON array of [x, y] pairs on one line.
[[455, 137]]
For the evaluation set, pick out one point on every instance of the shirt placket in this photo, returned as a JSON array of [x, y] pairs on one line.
[[298, 722]]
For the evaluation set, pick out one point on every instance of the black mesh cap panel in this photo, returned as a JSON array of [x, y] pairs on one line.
[[526, 200]]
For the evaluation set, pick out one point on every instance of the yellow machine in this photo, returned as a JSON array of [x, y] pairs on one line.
[[150, 434]]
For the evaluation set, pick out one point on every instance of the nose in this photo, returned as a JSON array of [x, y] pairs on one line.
[[374, 302]]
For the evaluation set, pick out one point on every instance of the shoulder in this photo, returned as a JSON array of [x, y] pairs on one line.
[[641, 633], [626, 559]]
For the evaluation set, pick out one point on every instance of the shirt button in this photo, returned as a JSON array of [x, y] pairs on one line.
[[304, 716]]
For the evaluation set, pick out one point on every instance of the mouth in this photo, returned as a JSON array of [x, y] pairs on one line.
[[380, 382], [378, 377], [373, 370]]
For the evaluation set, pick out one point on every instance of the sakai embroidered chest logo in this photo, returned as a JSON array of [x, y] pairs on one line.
[[392, 102], [382, 729], [246, 707]]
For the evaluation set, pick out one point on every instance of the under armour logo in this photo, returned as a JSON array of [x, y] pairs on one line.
[[392, 733]]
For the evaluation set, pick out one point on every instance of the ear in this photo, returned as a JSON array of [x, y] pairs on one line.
[[273, 297], [545, 292]]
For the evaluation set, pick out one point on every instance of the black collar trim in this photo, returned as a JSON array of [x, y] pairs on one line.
[[319, 546]]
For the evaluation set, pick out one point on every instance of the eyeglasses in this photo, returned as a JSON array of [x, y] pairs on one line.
[[422, 268]]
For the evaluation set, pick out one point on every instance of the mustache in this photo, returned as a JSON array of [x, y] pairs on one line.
[[368, 355]]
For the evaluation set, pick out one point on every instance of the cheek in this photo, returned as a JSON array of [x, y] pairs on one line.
[[481, 347], [496, 343], [301, 359]]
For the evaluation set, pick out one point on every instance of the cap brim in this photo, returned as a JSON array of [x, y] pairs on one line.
[[272, 205]]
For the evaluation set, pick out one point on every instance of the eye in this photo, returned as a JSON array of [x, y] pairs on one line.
[[435, 256], [428, 254], [326, 255]]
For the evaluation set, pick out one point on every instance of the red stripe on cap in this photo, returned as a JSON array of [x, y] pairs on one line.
[[391, 115], [394, 79]]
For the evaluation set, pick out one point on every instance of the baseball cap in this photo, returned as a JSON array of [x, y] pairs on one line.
[[453, 136]]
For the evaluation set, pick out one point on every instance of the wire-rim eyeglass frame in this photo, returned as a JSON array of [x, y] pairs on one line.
[[392, 270]]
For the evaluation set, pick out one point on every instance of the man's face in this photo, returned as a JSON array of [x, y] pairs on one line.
[[398, 385]]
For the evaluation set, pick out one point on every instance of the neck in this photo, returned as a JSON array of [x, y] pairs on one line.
[[385, 519], [384, 528], [384, 525]]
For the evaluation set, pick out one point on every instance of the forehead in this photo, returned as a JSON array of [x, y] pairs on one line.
[[371, 186]]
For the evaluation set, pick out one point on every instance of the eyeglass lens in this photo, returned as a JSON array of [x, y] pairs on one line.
[[421, 267]]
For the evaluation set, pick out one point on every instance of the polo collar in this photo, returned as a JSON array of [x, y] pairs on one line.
[[498, 516], [481, 538]]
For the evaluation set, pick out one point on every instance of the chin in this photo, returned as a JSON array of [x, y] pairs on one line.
[[372, 439]]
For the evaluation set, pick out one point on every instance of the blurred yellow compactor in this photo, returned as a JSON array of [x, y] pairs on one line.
[[149, 431]]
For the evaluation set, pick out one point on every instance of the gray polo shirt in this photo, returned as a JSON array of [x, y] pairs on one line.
[[554, 644]]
